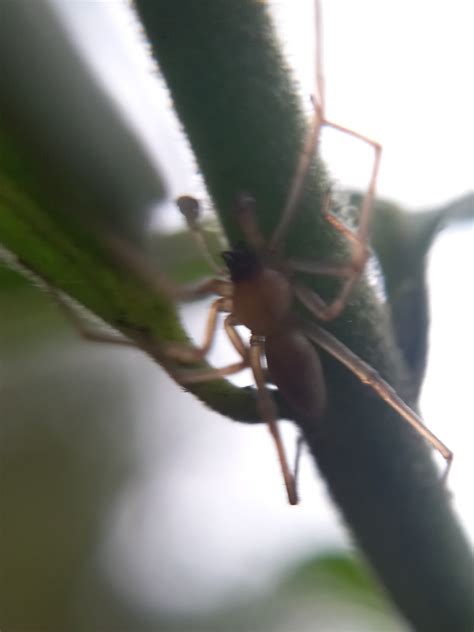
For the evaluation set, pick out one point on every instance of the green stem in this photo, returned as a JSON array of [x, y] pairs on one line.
[[243, 118]]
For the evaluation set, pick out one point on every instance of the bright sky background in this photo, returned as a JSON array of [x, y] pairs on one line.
[[401, 73]]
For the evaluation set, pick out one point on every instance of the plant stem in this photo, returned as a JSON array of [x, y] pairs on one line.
[[243, 117]]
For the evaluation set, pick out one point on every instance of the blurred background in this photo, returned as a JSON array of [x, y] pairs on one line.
[[125, 504]]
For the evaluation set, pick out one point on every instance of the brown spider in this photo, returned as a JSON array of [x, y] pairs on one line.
[[260, 295]]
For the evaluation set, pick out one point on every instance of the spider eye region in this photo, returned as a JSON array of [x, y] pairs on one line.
[[242, 262]]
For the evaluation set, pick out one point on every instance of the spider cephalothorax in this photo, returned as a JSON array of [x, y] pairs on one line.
[[243, 263]]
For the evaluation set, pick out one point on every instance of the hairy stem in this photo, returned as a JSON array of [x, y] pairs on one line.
[[243, 118]]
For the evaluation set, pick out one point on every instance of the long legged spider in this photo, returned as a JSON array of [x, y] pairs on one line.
[[260, 295]]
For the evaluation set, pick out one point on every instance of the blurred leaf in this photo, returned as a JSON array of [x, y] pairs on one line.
[[402, 240], [65, 430], [64, 121], [342, 575], [52, 218], [331, 592]]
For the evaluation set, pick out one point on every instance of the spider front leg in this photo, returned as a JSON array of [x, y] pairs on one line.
[[268, 410], [190, 209]]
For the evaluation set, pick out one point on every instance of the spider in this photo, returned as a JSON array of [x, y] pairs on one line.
[[259, 292]]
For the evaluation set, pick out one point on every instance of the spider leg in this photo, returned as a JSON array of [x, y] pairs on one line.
[[181, 352], [178, 351], [195, 376], [221, 287], [350, 271], [358, 240], [184, 352], [365, 213], [190, 208], [245, 211], [369, 376], [207, 375], [318, 306], [312, 267], [310, 144], [299, 450], [132, 259], [268, 411]]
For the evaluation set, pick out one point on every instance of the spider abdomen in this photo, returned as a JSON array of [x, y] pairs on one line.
[[295, 367]]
